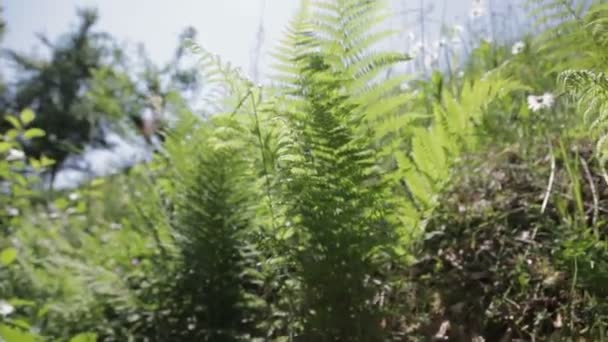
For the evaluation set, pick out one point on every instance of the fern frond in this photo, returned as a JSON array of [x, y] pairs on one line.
[[590, 91]]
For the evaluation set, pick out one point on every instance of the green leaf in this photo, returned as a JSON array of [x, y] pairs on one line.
[[12, 334], [5, 146], [96, 182], [21, 302], [27, 116], [287, 233], [13, 121], [84, 337], [33, 133], [8, 255]]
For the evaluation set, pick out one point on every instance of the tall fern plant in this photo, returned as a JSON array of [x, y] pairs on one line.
[[337, 204], [214, 293], [202, 195], [584, 78]]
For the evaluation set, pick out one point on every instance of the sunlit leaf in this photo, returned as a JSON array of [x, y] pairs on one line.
[[11, 334], [33, 133], [5, 146], [27, 116], [8, 256], [13, 121], [84, 337]]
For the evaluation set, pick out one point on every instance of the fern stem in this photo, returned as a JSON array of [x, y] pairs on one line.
[[258, 133]]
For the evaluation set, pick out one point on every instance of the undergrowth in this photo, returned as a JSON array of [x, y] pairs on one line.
[[335, 204]]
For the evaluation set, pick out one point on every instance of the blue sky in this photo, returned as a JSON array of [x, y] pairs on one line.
[[225, 27]]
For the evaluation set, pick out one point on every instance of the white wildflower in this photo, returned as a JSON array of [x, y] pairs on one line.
[[405, 86], [536, 103], [477, 10], [442, 43], [458, 29], [418, 49], [460, 74], [6, 308], [14, 154], [548, 99], [74, 196], [518, 48], [411, 36], [12, 211], [431, 59], [115, 226]]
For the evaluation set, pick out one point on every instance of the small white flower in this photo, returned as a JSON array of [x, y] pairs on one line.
[[14, 154], [12, 211], [477, 11], [431, 59], [518, 48], [74, 196], [405, 86], [548, 99], [536, 103], [6, 308], [115, 226], [418, 49], [460, 74]]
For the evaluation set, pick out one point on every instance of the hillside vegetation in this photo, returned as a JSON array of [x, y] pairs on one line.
[[341, 202]]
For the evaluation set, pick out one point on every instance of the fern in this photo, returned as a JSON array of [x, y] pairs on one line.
[[590, 89], [213, 215], [567, 24], [336, 201], [425, 169]]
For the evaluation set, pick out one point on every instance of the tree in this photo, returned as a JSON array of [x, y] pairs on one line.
[[59, 89]]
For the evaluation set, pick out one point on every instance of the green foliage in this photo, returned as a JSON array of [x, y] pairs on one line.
[[331, 205]]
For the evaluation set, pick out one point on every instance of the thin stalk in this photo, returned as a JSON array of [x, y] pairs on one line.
[[268, 186]]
